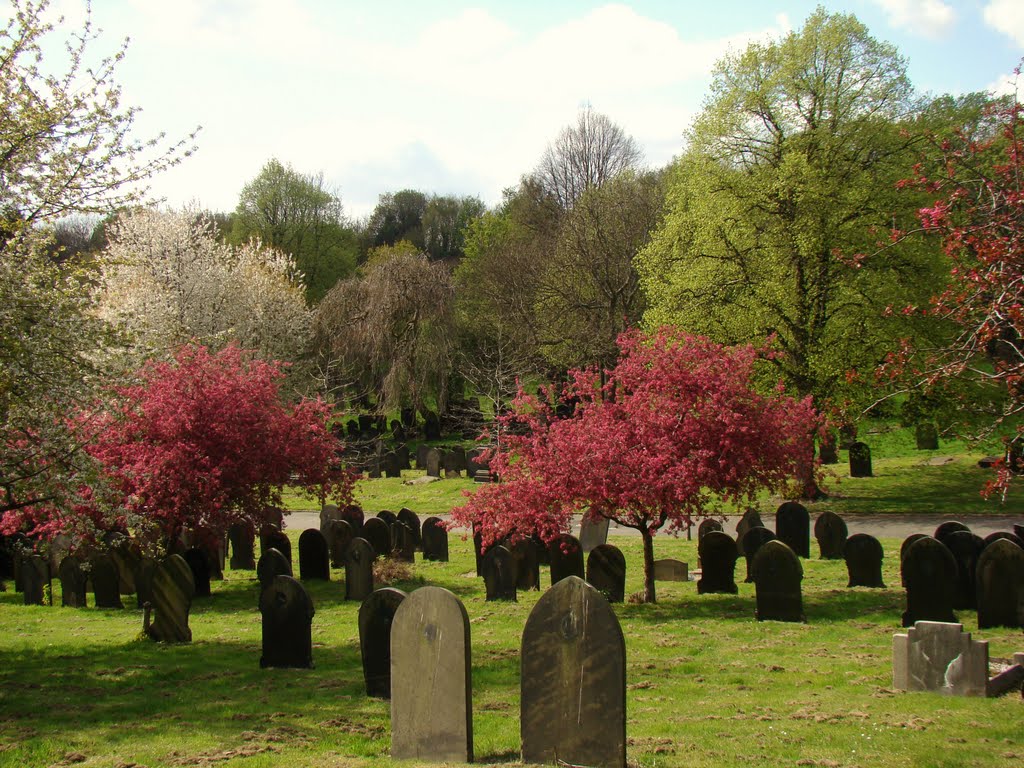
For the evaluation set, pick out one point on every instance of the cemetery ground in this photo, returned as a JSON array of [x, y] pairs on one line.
[[707, 685]]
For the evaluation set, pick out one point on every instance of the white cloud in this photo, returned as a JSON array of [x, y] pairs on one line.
[[1006, 16], [929, 18], [1005, 85]]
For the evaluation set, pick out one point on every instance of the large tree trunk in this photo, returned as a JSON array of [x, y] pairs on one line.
[[649, 596]]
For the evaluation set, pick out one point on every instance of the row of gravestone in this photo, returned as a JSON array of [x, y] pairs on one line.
[[793, 528], [451, 461]]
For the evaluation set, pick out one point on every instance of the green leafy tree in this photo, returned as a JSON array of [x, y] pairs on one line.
[[398, 216]]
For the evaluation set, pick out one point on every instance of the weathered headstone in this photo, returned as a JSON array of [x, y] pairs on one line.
[[948, 527], [145, 569], [831, 532], [329, 512], [433, 462], [275, 538], [750, 519], [434, 538], [1001, 535], [242, 538], [753, 540], [339, 535], [566, 556], [200, 564], [793, 527], [72, 582], [35, 579], [593, 533], [271, 565], [668, 569], [171, 592], [777, 574], [860, 460], [411, 519], [314, 556], [863, 554], [215, 548], [498, 569], [287, 612], [606, 572], [1000, 583], [929, 575], [573, 680], [403, 543], [421, 455], [905, 544], [378, 534], [431, 679], [965, 547], [390, 465], [125, 555], [706, 525], [105, 582], [452, 462], [939, 656], [376, 616], [359, 570], [718, 556], [431, 426], [478, 546], [525, 554], [388, 517], [926, 435], [353, 515]]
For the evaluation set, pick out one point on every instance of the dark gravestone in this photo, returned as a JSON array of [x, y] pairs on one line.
[[353, 515], [453, 462], [215, 548], [366, 428], [328, 512], [314, 556], [35, 578], [543, 554], [863, 554], [926, 436], [1019, 530], [431, 679], [498, 569], [378, 534], [606, 572], [905, 545], [471, 461], [403, 543], [390, 464], [828, 449], [421, 455], [593, 533], [411, 519], [948, 527], [271, 565], [376, 615], [431, 426], [402, 452], [287, 624], [274, 538], [573, 680], [352, 427], [830, 531], [668, 569], [777, 575], [718, 556], [359, 570], [388, 517], [1000, 578], [435, 540], [145, 569], [860, 460], [999, 535], [705, 527], [929, 575], [171, 592], [566, 557], [524, 552], [72, 582], [58, 548], [105, 582], [242, 538], [966, 547], [432, 462], [373, 468], [753, 540], [793, 527], [339, 535], [478, 546], [750, 519], [125, 556], [199, 562]]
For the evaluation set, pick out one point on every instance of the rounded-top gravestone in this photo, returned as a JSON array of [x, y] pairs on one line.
[[750, 519], [199, 562], [275, 538], [339, 535], [434, 540], [753, 540], [287, 612], [831, 532], [606, 572], [72, 582], [929, 574], [948, 527], [359, 570], [378, 534], [271, 565], [793, 527], [171, 590], [376, 616], [498, 569], [412, 520], [718, 557], [566, 556], [860, 460], [1000, 584], [777, 575], [525, 554], [863, 554], [965, 547], [314, 556]]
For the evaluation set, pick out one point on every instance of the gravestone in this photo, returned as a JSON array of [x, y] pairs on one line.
[[145, 569], [215, 548], [314, 556], [498, 569], [105, 582], [668, 569], [402, 452], [543, 555], [431, 426], [524, 552], [388, 517], [421, 455], [941, 657], [706, 525], [573, 680], [275, 538], [126, 555], [271, 565], [411, 519], [860, 460], [905, 545], [929, 575], [753, 540], [72, 582], [359, 570], [606, 572], [831, 532], [566, 556], [777, 575], [434, 538], [200, 564], [1000, 584], [376, 615], [431, 679], [35, 575], [403, 543], [750, 519], [965, 547], [390, 465], [1001, 535], [471, 461], [353, 515], [593, 533], [329, 512], [452, 462], [718, 556], [927, 436], [58, 548], [793, 527], [433, 462], [339, 535], [377, 533], [171, 591], [828, 449], [948, 527], [287, 612], [242, 538], [863, 554]]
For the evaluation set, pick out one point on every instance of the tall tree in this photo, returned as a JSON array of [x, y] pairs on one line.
[[398, 216], [445, 221]]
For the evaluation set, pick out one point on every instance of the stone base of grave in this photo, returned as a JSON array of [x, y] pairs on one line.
[[941, 657]]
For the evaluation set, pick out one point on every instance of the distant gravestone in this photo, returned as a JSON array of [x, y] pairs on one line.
[[965, 547], [72, 582], [377, 533], [863, 554], [171, 592], [753, 540], [718, 556], [860, 460], [59, 548], [929, 575], [793, 527], [948, 527], [329, 512], [1001, 535], [927, 436], [421, 455], [524, 552], [287, 612], [593, 533], [831, 532], [144, 572], [705, 526], [376, 615], [668, 569], [828, 449], [750, 519], [275, 538], [434, 537], [359, 570], [905, 545], [200, 564], [606, 572], [433, 462], [339, 535], [125, 555], [35, 577], [391, 465], [777, 575], [941, 657], [403, 543], [242, 538], [388, 517], [271, 565], [573, 680], [543, 553], [431, 426], [411, 519], [314, 556], [478, 546], [1000, 583], [498, 569], [452, 462], [215, 548], [105, 582], [353, 515], [566, 556], [431, 679]]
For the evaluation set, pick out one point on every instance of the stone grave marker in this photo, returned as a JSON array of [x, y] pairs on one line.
[[566, 556], [593, 533], [498, 569], [793, 527], [35, 575], [905, 545], [668, 569], [126, 555], [941, 657], [777, 575], [314, 556], [753, 540], [339, 535], [275, 538], [215, 548], [433, 462], [145, 569], [451, 462], [378, 534], [1000, 584], [750, 519], [105, 582], [948, 527], [527, 561], [271, 565], [359, 570], [242, 538], [929, 575], [287, 624], [606, 572], [831, 533], [72, 582], [431, 426], [965, 547], [402, 452], [431, 679], [171, 592], [828, 449], [999, 536], [388, 517], [58, 548], [391, 465], [705, 526], [718, 556], [926, 435], [860, 460], [353, 515], [376, 616], [543, 555], [403, 543], [863, 554], [329, 512], [573, 680], [199, 562], [411, 519], [434, 538], [421, 455]]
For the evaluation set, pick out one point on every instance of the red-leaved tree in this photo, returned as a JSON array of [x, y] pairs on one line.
[[676, 431]]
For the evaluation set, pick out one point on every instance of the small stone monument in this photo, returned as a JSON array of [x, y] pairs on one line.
[[434, 462], [941, 657], [377, 533], [275, 538], [287, 624], [403, 543], [376, 615], [412, 520], [966, 548], [668, 569], [359, 570], [926, 434], [929, 575], [1000, 584], [593, 533], [777, 575], [145, 569], [353, 515], [498, 569], [72, 582], [242, 538], [606, 572], [831, 532], [271, 565], [718, 557], [566, 557], [434, 538], [198, 561], [314, 556], [35, 574], [753, 540], [750, 519], [339, 535], [860, 460], [863, 554], [525, 554], [171, 591], [949, 527], [905, 545], [105, 582], [793, 527]]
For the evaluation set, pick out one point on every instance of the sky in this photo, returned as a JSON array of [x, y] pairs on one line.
[[462, 98]]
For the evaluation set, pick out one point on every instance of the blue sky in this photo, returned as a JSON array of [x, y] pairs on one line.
[[462, 98]]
